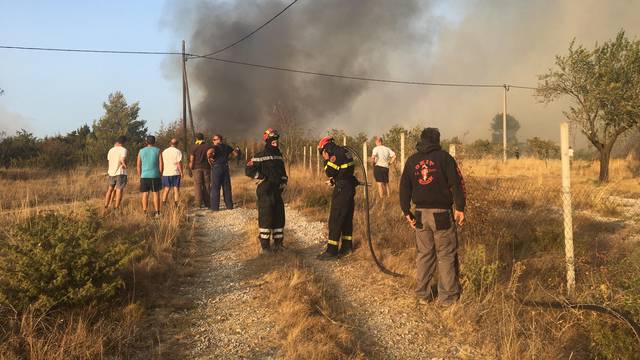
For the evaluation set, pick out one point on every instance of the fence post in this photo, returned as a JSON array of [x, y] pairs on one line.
[[317, 163], [344, 140], [364, 158], [452, 150], [246, 155], [567, 209], [401, 152], [310, 159], [304, 157]]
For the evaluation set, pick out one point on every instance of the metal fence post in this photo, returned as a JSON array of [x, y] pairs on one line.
[[401, 152], [567, 209]]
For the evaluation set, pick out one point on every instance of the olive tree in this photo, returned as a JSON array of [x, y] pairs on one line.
[[603, 85]]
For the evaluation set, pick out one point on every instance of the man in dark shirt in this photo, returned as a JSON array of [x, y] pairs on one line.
[[432, 180], [219, 156], [199, 165]]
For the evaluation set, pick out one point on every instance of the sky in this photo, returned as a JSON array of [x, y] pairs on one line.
[[50, 93], [485, 41]]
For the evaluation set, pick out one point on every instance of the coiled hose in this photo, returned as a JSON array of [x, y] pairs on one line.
[[366, 216]]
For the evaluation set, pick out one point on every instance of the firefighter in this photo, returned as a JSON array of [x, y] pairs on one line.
[[267, 167], [339, 167]]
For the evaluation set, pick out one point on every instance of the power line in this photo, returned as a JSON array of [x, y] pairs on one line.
[[269, 67], [90, 50], [251, 33], [360, 78]]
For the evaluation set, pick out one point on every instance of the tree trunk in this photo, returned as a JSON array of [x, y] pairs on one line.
[[605, 155]]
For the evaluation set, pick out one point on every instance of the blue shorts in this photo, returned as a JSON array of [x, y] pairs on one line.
[[171, 181]]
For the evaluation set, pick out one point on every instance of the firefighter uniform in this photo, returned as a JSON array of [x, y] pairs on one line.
[[267, 167], [339, 167]]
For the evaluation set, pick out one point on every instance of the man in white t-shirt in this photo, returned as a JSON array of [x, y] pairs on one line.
[[382, 157], [171, 172], [117, 158]]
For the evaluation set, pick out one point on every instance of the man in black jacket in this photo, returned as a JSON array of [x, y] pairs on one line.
[[267, 167], [219, 155], [339, 167], [432, 180]]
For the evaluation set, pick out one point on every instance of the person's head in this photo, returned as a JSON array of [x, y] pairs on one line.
[[150, 140], [271, 137], [199, 138], [173, 142], [121, 140], [323, 146], [378, 140], [216, 139], [430, 136]]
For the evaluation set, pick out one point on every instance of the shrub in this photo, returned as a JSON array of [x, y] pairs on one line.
[[52, 260], [478, 274]]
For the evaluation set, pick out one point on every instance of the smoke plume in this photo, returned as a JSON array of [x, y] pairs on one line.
[[488, 41]]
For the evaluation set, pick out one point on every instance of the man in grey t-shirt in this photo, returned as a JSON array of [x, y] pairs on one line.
[[382, 157]]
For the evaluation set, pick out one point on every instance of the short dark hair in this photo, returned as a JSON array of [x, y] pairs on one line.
[[199, 136], [217, 135], [430, 135], [121, 139], [151, 139]]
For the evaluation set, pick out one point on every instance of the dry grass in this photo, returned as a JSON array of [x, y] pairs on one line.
[[92, 332], [512, 247]]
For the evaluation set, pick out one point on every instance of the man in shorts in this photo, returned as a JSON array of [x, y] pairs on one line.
[[382, 157], [171, 172], [117, 158], [149, 166]]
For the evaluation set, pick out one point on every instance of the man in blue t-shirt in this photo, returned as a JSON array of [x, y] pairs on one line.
[[149, 166]]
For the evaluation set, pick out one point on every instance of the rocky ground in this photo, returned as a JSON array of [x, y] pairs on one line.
[[229, 315]]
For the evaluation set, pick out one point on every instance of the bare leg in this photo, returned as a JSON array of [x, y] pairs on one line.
[[380, 190], [155, 198], [176, 194], [119, 194], [108, 197], [145, 201], [386, 188], [165, 194]]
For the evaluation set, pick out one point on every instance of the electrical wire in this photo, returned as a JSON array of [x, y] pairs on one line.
[[249, 34], [90, 50], [269, 67]]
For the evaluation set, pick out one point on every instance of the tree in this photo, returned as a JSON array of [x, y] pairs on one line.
[[543, 149], [603, 85], [513, 126], [18, 149], [119, 119]]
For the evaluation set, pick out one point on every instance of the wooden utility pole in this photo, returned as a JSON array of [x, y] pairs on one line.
[[567, 208], [186, 84], [184, 100], [504, 123]]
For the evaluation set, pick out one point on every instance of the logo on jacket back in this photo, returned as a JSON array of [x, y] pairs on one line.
[[424, 171]]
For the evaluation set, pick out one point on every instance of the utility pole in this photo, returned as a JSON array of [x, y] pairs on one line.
[[504, 123], [186, 84], [184, 99]]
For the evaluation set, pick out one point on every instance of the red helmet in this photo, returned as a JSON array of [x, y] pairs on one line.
[[325, 140], [270, 134]]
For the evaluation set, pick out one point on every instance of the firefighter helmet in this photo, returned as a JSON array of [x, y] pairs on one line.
[[270, 135], [325, 140]]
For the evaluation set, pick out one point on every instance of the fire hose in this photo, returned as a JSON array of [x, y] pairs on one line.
[[367, 221]]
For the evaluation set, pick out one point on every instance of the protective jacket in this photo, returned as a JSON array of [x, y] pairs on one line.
[[267, 167], [340, 168], [432, 180]]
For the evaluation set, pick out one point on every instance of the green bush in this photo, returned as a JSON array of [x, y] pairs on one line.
[[478, 273], [52, 260]]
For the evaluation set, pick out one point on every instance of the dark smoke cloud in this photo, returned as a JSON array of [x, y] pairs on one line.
[[336, 36]]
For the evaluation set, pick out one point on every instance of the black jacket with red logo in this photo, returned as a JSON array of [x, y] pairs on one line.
[[432, 180]]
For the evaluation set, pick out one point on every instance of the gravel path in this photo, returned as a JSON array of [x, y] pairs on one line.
[[230, 320]]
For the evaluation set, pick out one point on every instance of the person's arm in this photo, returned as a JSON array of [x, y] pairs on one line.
[[210, 154], [455, 182], [373, 156], [393, 156], [331, 168], [406, 189], [139, 165], [123, 160], [232, 154], [160, 163], [253, 169], [191, 160], [180, 169]]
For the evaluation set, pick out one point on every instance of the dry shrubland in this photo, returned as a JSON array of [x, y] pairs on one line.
[[101, 325], [512, 248]]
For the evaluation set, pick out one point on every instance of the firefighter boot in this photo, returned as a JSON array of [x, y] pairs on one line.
[[331, 253], [347, 246], [264, 236]]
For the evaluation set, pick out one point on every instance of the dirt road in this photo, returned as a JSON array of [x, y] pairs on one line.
[[231, 316]]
